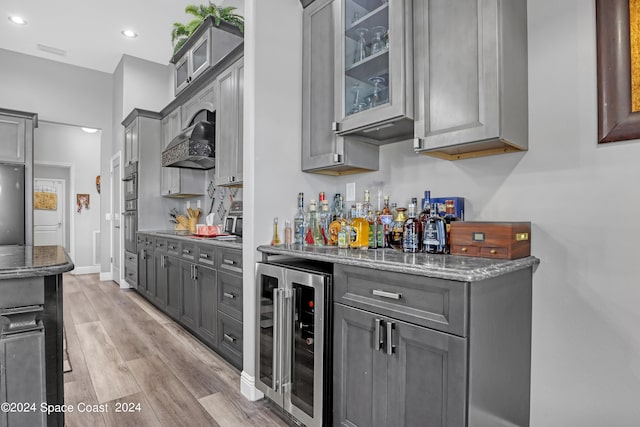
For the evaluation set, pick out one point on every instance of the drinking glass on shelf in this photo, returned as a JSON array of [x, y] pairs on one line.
[[357, 104], [376, 95], [377, 45], [361, 45]]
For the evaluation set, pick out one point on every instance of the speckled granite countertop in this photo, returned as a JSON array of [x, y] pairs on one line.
[[460, 268], [185, 236], [33, 261]]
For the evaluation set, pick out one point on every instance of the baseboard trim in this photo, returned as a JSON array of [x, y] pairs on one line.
[[105, 277], [248, 387], [92, 269], [124, 284]]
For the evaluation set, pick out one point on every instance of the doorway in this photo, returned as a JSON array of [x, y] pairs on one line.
[[49, 197], [117, 254]]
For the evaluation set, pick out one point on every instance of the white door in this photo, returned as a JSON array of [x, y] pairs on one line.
[[48, 213], [116, 209]]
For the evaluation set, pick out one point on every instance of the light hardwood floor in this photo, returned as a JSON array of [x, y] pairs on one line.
[[124, 351]]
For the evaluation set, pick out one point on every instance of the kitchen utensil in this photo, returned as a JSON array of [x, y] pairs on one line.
[[211, 191]]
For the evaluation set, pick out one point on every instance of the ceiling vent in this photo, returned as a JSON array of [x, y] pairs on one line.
[[53, 50]]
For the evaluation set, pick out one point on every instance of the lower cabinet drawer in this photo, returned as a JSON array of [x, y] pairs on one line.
[[434, 303], [230, 339], [131, 272], [230, 294]]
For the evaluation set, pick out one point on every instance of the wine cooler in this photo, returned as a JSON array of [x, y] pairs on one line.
[[293, 342]]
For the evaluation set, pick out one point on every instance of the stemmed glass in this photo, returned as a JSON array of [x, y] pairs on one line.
[[377, 45], [376, 95], [361, 45], [357, 104]]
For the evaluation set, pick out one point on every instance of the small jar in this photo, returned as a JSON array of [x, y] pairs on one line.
[[396, 230]]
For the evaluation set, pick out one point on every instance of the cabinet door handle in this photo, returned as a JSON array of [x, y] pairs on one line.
[[195, 272], [228, 295], [229, 338], [379, 340], [390, 347], [385, 294]]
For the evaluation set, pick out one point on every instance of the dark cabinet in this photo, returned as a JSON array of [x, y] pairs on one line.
[[413, 350], [206, 322], [188, 294], [146, 269]]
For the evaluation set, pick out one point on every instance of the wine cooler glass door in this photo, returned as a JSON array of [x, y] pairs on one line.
[[306, 347]]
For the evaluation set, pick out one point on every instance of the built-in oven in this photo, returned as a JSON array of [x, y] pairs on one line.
[[130, 220], [293, 339], [131, 181]]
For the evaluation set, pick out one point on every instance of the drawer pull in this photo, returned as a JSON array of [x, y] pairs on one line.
[[229, 261], [205, 256], [463, 250], [186, 251], [229, 338], [172, 247], [385, 294], [493, 251], [228, 295]]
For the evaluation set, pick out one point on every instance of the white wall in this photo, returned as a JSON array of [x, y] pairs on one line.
[[581, 198], [62, 93], [63, 144]]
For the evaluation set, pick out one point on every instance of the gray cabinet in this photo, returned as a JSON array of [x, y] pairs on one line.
[[229, 137], [470, 77], [131, 142], [205, 99], [146, 267], [131, 269], [322, 150], [188, 286], [374, 70], [178, 182], [229, 300], [206, 320], [413, 350], [13, 134], [208, 45], [160, 273]]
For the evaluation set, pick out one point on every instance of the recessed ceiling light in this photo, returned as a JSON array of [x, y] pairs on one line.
[[17, 20], [130, 34], [90, 130]]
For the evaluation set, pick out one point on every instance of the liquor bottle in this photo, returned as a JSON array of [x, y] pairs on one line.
[[369, 215], [394, 209], [449, 217], [337, 207], [426, 207], [343, 236], [379, 233], [298, 221], [412, 232], [287, 233], [397, 229], [313, 234], [325, 221], [386, 218], [359, 229], [275, 240], [434, 233]]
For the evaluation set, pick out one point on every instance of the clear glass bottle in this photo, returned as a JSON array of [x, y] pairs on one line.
[[397, 229], [313, 233], [412, 232], [360, 229], [325, 221], [386, 218], [426, 207], [434, 238], [369, 214], [298, 221], [337, 210], [288, 232]]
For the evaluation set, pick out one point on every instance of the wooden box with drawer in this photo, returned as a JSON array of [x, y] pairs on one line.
[[502, 240]]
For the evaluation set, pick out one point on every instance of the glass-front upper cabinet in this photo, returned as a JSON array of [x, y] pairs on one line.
[[374, 70]]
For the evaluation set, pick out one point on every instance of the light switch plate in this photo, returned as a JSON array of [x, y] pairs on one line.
[[107, 217]]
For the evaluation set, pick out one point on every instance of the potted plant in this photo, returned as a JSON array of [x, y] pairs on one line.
[[181, 32]]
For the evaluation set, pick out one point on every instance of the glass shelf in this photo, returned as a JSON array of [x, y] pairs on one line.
[[371, 66], [375, 18]]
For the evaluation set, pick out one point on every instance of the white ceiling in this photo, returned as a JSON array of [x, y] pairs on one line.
[[89, 30]]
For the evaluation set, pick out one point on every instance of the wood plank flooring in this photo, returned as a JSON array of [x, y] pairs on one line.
[[124, 351]]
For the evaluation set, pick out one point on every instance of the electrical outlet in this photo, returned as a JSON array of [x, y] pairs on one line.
[[351, 191], [198, 204], [187, 204]]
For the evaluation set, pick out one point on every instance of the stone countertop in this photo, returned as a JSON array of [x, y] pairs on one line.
[[186, 236], [451, 267], [33, 261]]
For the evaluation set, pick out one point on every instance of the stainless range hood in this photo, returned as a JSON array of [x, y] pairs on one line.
[[194, 148]]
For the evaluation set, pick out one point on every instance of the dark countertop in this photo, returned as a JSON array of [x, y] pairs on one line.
[[451, 267], [33, 261], [186, 236]]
